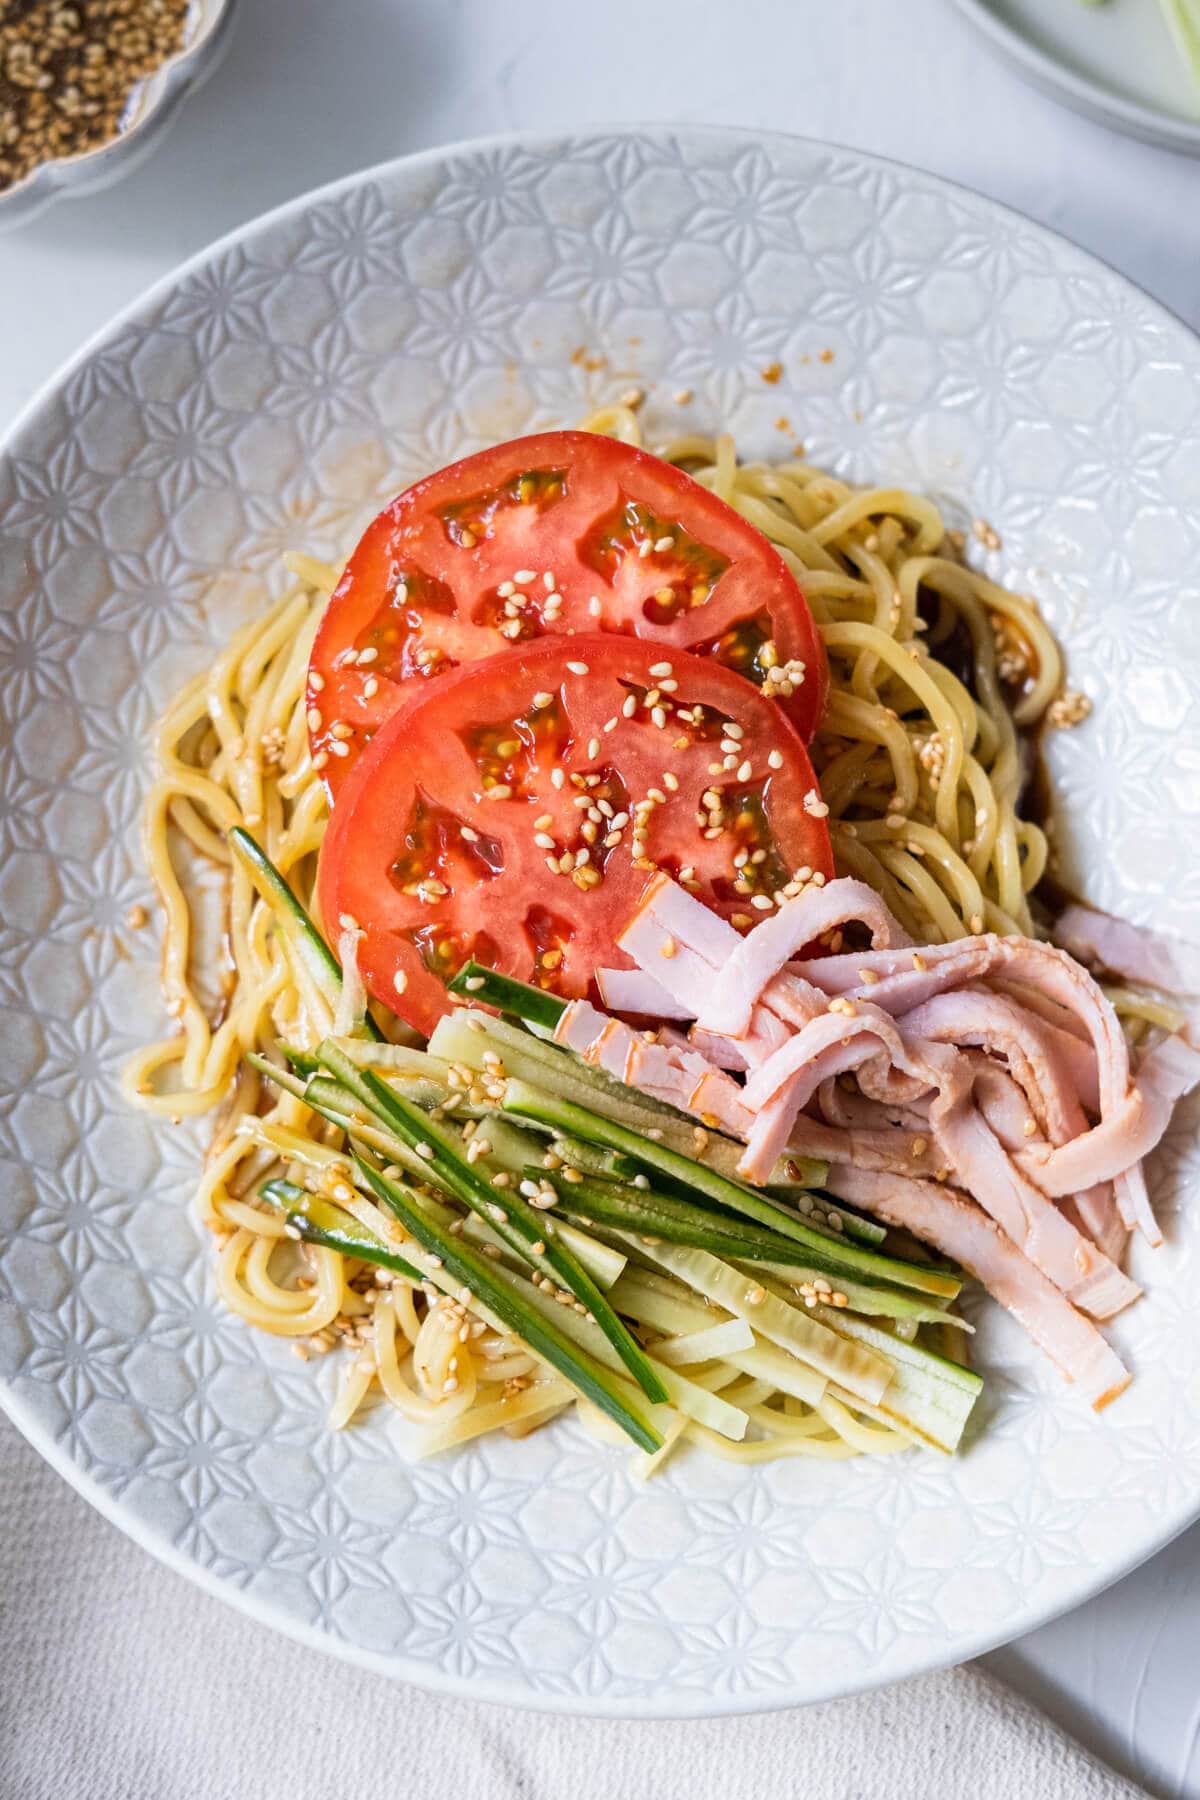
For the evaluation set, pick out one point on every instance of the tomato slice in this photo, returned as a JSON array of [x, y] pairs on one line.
[[515, 811], [562, 533]]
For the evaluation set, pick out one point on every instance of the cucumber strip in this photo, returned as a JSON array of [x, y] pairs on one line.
[[661, 1303], [912, 1356], [300, 1062], [687, 1396], [525, 1229], [701, 1346], [931, 1397], [677, 1221], [486, 987], [543, 1334], [302, 936], [466, 1038], [602, 1261], [818, 1207], [282, 1078], [865, 1372], [828, 1254], [319, 1221], [389, 1059], [590, 1159], [876, 1302]]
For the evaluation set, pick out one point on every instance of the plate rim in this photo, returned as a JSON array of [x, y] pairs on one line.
[[1165, 130], [488, 1690]]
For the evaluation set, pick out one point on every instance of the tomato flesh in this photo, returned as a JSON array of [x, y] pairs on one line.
[[514, 812], [562, 533]]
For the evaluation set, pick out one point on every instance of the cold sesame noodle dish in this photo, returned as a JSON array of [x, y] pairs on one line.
[[639, 989]]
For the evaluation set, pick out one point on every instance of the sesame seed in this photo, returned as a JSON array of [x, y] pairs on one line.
[[315, 681], [774, 759], [644, 548], [558, 777], [745, 771], [368, 655], [543, 698], [760, 901], [523, 575], [629, 705], [341, 730], [578, 668], [594, 606], [593, 746], [337, 749], [314, 718], [501, 791], [549, 582], [543, 840], [370, 688], [611, 724]]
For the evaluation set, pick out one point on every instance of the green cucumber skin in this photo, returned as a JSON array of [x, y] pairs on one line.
[[827, 1254], [474, 1273], [522, 1226], [296, 1202], [487, 987], [258, 864]]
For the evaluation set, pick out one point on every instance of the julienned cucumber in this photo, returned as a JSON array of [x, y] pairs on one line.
[[473, 1270], [319, 1221], [489, 988], [522, 1227], [320, 963], [827, 1254], [467, 1038]]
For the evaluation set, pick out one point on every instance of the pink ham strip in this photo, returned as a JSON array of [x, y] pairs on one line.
[[950, 1222], [1046, 1236], [1141, 956], [633, 991], [782, 1088], [759, 958], [974, 1017]]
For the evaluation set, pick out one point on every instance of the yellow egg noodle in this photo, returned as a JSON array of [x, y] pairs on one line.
[[922, 779]]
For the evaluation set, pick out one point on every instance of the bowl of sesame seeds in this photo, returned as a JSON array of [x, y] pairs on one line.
[[87, 88]]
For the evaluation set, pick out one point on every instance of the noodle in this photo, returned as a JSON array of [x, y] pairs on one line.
[[935, 671]]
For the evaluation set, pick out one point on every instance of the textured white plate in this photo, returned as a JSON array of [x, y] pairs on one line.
[[272, 394], [1115, 62]]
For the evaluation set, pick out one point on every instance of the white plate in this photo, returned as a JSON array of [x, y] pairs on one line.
[[272, 394], [1115, 62]]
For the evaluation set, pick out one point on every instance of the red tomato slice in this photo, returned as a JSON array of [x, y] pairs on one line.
[[562, 533], [514, 812]]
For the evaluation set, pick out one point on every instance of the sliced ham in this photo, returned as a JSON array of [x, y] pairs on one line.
[[633, 991], [1046, 1236], [764, 953], [947, 1220], [1130, 951]]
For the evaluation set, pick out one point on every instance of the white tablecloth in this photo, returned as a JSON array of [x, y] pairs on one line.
[[122, 1682], [116, 1678]]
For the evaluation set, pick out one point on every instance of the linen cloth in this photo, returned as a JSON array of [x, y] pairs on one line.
[[119, 1680]]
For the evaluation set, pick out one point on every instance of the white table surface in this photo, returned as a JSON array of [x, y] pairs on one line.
[[313, 90]]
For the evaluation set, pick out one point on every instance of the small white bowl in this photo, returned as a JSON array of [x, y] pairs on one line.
[[152, 106]]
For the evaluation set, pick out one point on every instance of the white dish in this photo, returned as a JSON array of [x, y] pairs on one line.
[[1116, 63], [271, 394]]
